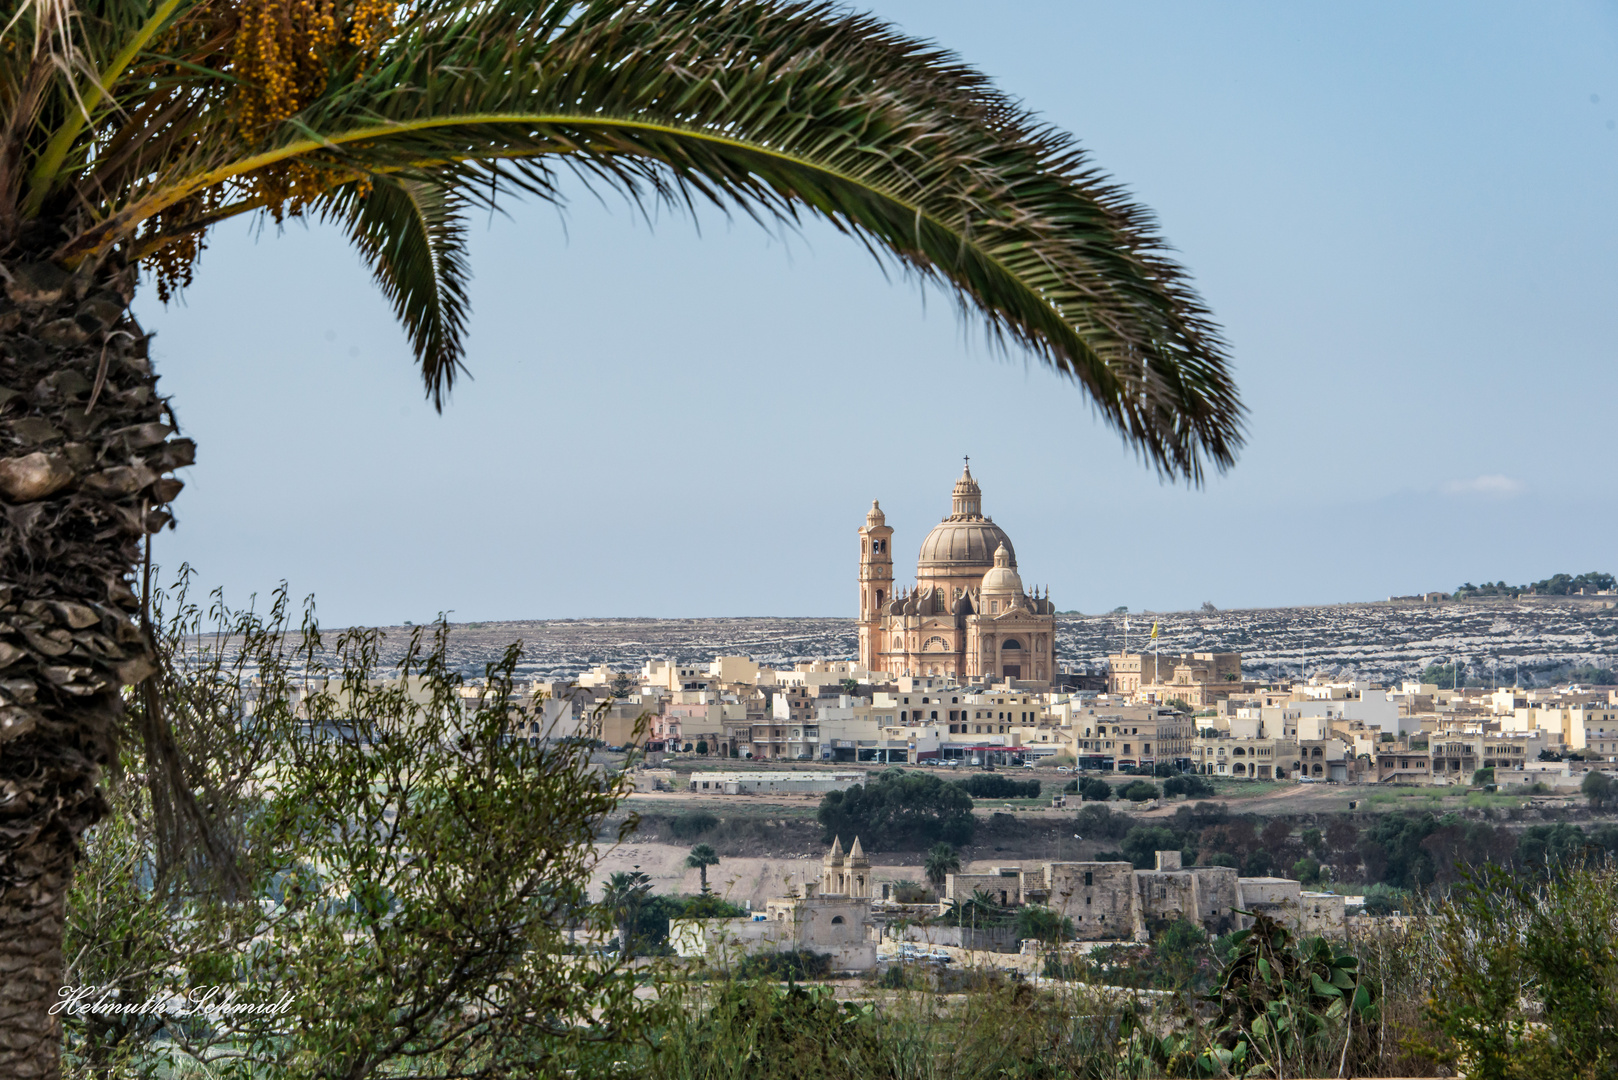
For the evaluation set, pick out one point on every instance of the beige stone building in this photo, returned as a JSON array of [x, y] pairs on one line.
[[969, 617], [1113, 901], [1199, 678], [1111, 738], [831, 917]]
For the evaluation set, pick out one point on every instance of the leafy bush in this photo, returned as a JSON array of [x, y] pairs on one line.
[[785, 966], [408, 858], [1095, 789], [1139, 791], [1035, 921], [1143, 842], [1510, 955], [897, 808], [692, 824], [1287, 1006], [987, 785], [1190, 785], [1097, 822]]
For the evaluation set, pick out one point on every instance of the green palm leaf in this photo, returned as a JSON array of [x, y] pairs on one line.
[[774, 110], [413, 235]]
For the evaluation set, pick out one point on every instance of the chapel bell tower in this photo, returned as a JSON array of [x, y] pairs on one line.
[[876, 583]]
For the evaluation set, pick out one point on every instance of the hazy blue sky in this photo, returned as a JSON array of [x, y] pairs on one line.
[[1405, 217]]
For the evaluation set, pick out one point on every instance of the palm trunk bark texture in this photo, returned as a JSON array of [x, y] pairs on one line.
[[85, 454]]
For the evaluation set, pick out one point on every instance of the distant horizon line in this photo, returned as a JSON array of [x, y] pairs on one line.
[[1483, 601]]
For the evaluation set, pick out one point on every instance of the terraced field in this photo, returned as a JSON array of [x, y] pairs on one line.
[[1543, 640]]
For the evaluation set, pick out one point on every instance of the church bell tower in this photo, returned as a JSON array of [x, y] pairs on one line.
[[876, 584]]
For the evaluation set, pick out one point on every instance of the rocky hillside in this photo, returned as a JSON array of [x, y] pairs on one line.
[[1546, 640]]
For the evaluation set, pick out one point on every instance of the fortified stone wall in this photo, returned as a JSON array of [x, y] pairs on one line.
[[1098, 896]]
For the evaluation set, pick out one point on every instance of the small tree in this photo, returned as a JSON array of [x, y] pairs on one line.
[[702, 746], [1095, 789], [1043, 924], [702, 856], [409, 883], [623, 896], [1139, 791], [942, 861], [1599, 788]]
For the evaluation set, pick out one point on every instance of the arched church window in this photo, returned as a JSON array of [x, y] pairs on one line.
[[1012, 643], [994, 607], [898, 643], [836, 920], [879, 596]]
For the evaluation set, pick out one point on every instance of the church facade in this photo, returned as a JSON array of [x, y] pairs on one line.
[[968, 617]]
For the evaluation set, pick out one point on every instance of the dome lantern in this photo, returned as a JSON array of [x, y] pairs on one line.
[[966, 501]]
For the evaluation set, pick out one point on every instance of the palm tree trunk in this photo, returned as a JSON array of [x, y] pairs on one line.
[[83, 450]]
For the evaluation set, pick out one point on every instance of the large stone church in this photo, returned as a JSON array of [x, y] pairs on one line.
[[968, 618]]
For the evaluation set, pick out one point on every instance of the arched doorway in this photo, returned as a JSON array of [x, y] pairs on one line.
[[1011, 659]]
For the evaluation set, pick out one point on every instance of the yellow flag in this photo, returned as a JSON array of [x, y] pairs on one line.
[[1154, 629]]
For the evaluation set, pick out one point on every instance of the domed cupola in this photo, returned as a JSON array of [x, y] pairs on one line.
[[965, 541], [1003, 581], [875, 517]]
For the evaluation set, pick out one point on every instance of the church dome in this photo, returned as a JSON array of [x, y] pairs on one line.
[[962, 545], [966, 540], [1004, 577], [875, 517]]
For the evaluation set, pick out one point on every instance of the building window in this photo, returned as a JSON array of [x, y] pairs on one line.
[[836, 920], [1088, 876]]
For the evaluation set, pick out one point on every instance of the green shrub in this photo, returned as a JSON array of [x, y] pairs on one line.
[[994, 786], [785, 966], [1095, 789], [1510, 955], [1036, 921], [1189, 785], [1143, 842], [692, 824], [1139, 791], [1097, 822], [897, 808]]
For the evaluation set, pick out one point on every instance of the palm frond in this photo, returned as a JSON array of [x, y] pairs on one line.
[[413, 235], [771, 109]]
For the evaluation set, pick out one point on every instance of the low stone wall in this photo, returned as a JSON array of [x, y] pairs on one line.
[[986, 939]]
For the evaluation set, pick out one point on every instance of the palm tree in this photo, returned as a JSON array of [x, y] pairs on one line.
[[942, 861], [702, 856], [132, 127], [623, 895]]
